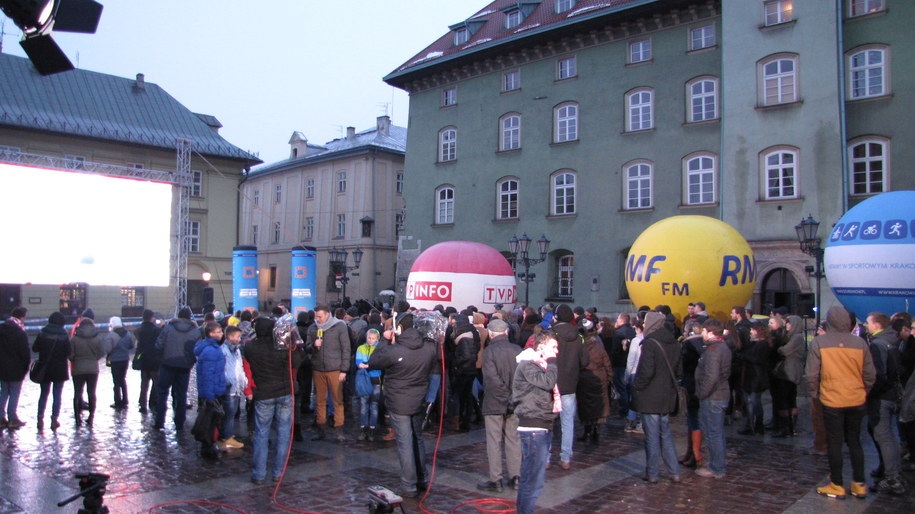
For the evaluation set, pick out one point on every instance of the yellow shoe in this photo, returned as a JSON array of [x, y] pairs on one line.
[[233, 443], [832, 490], [858, 490]]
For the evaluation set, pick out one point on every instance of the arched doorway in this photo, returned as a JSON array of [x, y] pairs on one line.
[[779, 288]]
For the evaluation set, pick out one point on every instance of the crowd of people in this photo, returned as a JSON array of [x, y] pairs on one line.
[[520, 374]]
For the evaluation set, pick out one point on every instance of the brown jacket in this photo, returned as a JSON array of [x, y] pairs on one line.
[[840, 369]]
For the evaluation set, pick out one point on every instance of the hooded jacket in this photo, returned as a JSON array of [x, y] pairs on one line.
[[119, 342], [335, 351], [572, 357], [498, 374], [86, 348], [884, 349], [176, 343], [794, 351], [146, 335], [655, 389], [713, 371], [269, 367], [406, 364], [532, 391], [52, 344], [211, 369], [14, 346], [840, 370], [466, 347]]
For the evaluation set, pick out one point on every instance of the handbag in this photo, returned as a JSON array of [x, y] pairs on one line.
[[364, 385], [136, 364], [673, 377], [38, 369]]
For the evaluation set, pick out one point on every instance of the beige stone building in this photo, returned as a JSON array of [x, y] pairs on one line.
[[111, 125], [346, 194]]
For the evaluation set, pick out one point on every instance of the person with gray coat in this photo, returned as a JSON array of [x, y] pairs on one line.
[[713, 391], [87, 346], [176, 345], [329, 342]]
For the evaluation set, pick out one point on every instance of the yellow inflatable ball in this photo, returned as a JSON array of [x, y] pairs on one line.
[[685, 259]]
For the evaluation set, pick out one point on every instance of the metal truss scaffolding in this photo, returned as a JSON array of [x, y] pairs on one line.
[[183, 181]]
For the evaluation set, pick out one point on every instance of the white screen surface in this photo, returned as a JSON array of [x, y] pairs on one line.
[[64, 227]]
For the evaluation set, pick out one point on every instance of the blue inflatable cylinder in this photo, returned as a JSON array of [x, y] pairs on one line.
[[303, 279], [244, 278]]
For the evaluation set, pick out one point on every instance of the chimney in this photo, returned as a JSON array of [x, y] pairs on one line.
[[383, 125], [350, 133], [140, 84]]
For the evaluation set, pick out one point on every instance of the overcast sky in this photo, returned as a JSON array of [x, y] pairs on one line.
[[266, 69]]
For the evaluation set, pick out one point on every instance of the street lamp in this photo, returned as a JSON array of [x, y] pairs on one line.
[[338, 263], [519, 250], [810, 244]]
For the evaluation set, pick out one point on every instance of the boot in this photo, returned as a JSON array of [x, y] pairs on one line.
[[696, 440], [788, 428], [319, 433], [427, 415], [688, 457], [455, 423], [372, 434], [595, 434], [390, 436], [363, 434], [586, 434], [297, 433]]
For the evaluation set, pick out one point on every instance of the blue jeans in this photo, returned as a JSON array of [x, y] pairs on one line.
[[265, 411], [754, 409], [368, 408], [47, 387], [619, 386], [230, 407], [9, 398], [176, 380], [659, 443], [881, 423], [411, 450], [567, 419], [535, 452], [711, 421], [435, 384]]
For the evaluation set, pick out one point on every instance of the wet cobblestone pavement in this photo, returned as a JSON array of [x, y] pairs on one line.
[[150, 469]]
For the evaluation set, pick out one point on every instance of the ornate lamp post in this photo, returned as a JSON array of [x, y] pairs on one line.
[[810, 244], [519, 250], [338, 263]]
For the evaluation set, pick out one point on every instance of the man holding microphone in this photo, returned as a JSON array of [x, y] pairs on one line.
[[328, 339]]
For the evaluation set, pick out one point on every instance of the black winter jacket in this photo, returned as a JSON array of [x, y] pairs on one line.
[[532, 393], [884, 348], [176, 343], [52, 345], [407, 364], [466, 348], [14, 347], [498, 374], [655, 387], [572, 358], [270, 367], [147, 333]]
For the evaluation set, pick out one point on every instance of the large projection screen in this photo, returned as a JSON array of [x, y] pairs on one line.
[[63, 227]]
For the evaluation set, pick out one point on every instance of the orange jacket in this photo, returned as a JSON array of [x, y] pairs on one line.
[[840, 370]]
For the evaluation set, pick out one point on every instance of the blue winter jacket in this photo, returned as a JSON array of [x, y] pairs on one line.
[[211, 369], [363, 353]]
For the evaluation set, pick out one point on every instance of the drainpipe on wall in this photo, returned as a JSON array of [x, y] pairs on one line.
[[374, 230], [840, 50]]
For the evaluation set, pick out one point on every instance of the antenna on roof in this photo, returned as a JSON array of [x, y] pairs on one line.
[[385, 107]]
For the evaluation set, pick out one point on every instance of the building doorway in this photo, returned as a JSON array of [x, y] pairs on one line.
[[780, 289]]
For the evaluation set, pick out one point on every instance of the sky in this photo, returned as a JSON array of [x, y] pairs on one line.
[[290, 65]]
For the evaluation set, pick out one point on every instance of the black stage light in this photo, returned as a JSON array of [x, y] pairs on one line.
[[38, 18]]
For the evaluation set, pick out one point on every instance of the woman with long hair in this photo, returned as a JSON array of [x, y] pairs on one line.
[[52, 345], [789, 373]]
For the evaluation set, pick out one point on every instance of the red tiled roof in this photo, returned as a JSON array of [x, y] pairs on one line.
[[493, 32]]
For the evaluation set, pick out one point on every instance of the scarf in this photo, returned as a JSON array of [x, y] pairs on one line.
[[530, 354], [18, 322]]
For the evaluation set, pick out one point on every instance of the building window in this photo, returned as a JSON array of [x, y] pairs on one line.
[[254, 235], [276, 232], [565, 267], [702, 37], [74, 298], [444, 209], [449, 97], [508, 199], [779, 80], [780, 168], [511, 80], [778, 11], [461, 36], [563, 193], [638, 184], [133, 296], [862, 7], [309, 229], [74, 162], [278, 194], [639, 109], [870, 171], [193, 236], [309, 188], [566, 128], [398, 183], [564, 5], [513, 18], [447, 143], [700, 179], [639, 51], [196, 183], [398, 223], [271, 281], [341, 226], [256, 196], [341, 182], [510, 125], [566, 68], [703, 99], [867, 73]]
